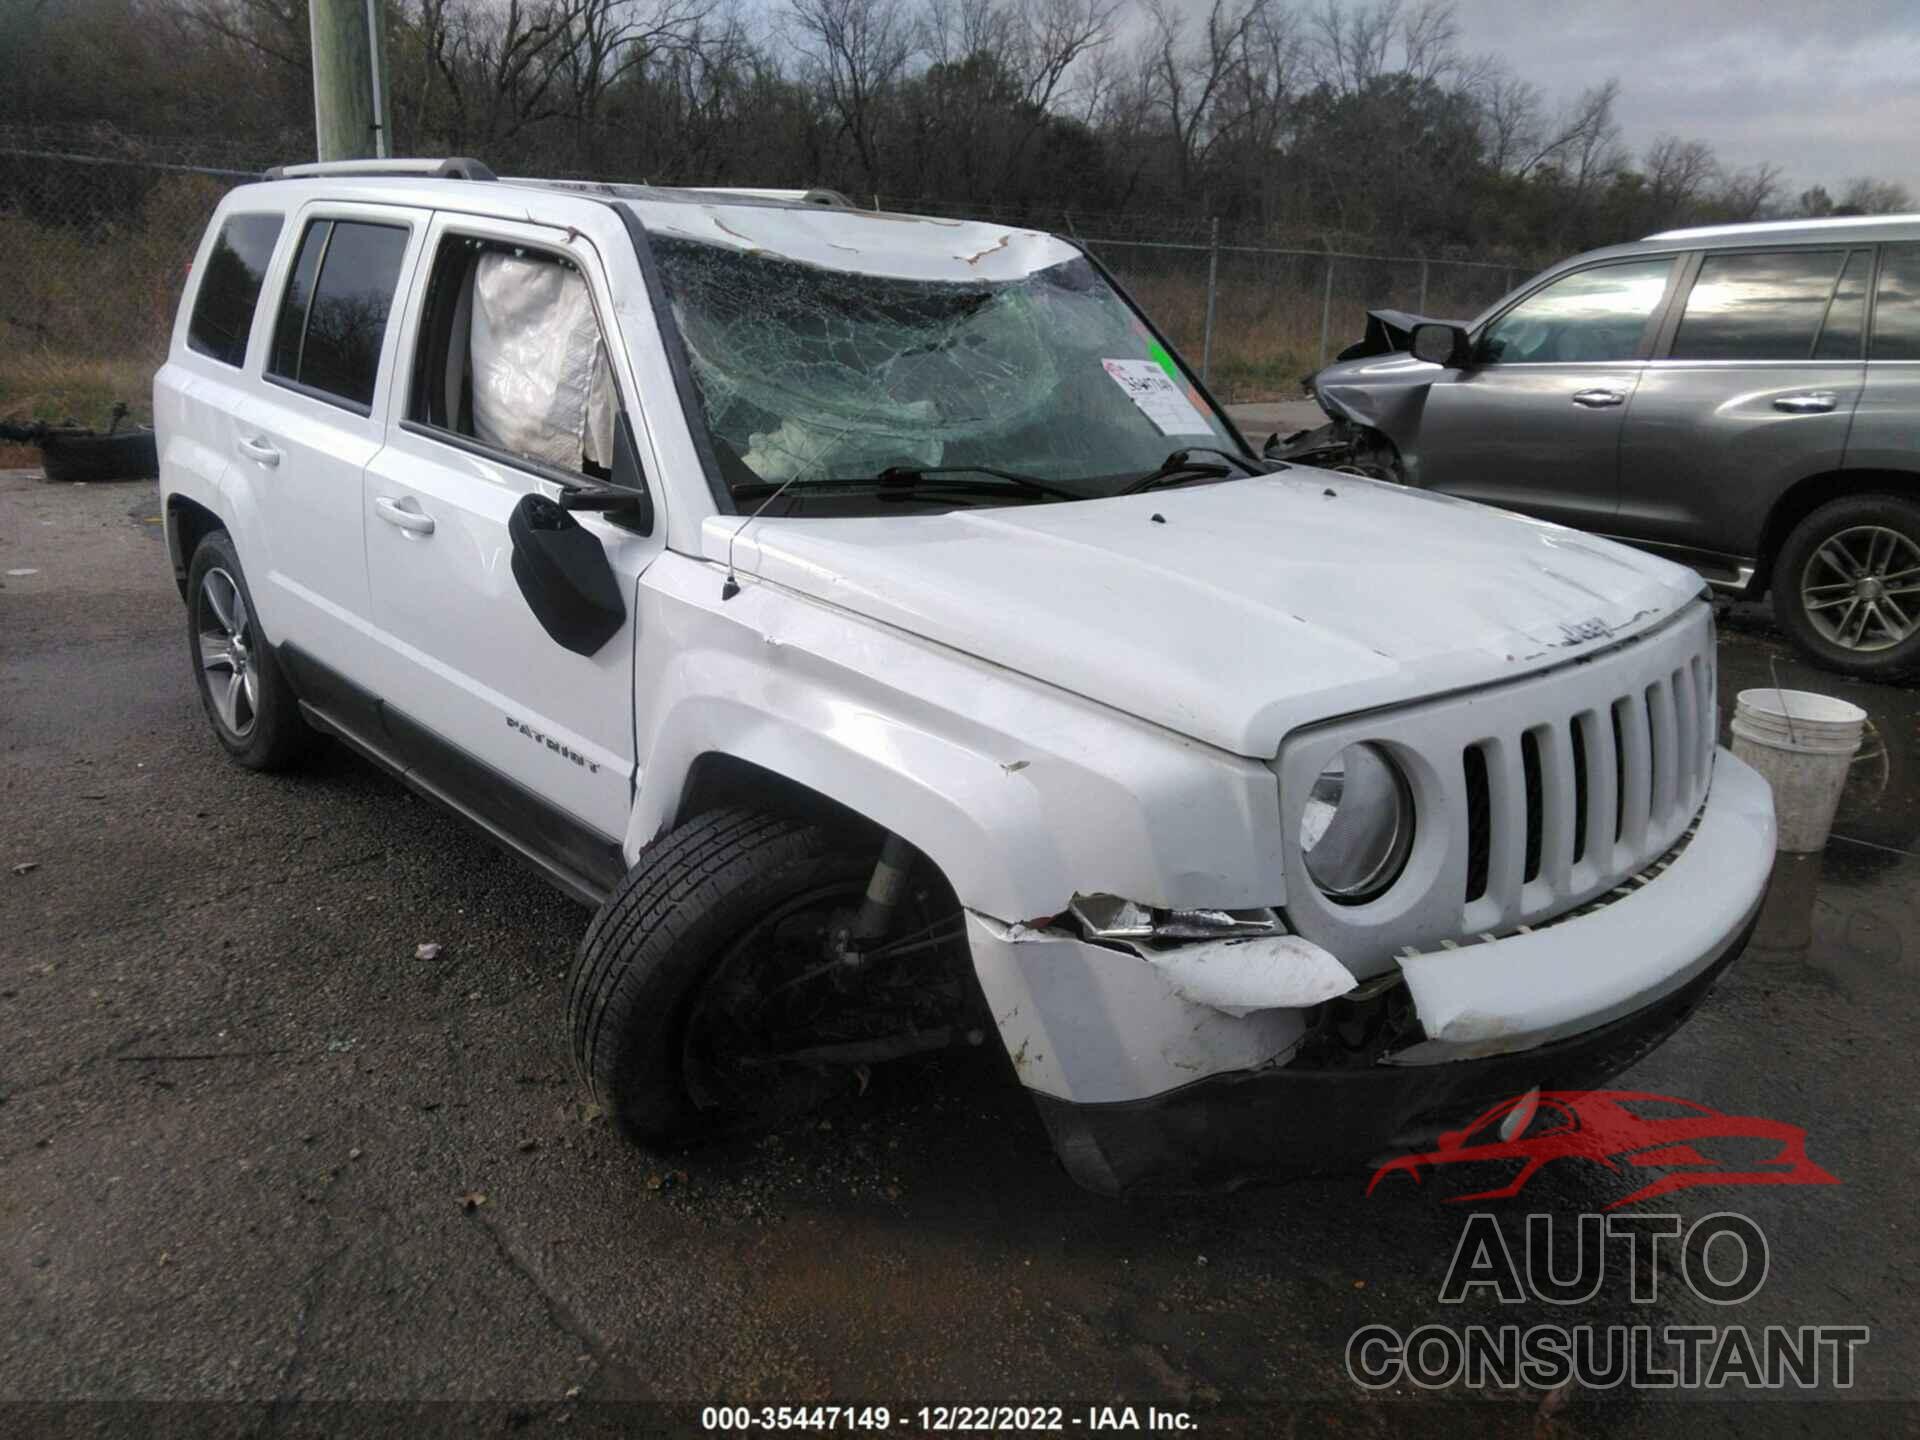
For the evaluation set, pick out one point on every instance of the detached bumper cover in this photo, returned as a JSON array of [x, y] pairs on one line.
[[1266, 1124], [1501, 996], [1565, 1008]]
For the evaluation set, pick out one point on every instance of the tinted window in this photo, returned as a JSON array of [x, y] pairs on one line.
[[1757, 307], [1896, 305], [1847, 316], [1596, 314], [340, 329], [230, 287], [291, 326]]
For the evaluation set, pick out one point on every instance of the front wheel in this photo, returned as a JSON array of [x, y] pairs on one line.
[[719, 989], [1846, 586]]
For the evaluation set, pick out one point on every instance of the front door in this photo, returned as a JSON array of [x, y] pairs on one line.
[[511, 391], [1534, 424]]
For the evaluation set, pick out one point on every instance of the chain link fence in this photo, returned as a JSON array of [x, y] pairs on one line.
[[94, 248], [1257, 320], [94, 251]]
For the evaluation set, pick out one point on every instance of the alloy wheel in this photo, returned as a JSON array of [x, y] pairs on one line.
[[228, 658], [1861, 588]]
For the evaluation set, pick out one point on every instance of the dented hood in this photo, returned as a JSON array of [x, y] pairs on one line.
[[1246, 609]]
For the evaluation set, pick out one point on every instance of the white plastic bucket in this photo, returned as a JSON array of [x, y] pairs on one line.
[[1803, 743]]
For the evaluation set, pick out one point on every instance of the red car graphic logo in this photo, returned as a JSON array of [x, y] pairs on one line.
[[1624, 1131]]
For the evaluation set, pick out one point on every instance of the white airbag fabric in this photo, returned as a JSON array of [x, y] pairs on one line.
[[541, 384]]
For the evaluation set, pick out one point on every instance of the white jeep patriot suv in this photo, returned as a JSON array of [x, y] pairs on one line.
[[877, 622]]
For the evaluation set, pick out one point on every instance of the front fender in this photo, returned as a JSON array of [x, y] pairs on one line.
[[1021, 793]]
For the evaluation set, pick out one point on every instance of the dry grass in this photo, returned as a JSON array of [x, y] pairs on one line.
[[86, 311]]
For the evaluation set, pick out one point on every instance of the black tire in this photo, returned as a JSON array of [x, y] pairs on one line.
[[266, 730], [124, 455], [652, 953], [1842, 524]]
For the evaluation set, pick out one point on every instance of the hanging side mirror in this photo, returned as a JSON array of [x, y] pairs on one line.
[[625, 496], [563, 573], [1441, 344]]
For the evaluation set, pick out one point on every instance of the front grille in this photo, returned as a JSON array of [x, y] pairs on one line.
[[1556, 806], [1532, 797]]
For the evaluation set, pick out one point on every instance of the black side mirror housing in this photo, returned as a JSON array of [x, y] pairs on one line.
[[1438, 343], [563, 573], [625, 496]]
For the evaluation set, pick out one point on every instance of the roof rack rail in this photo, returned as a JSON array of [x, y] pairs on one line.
[[827, 197], [455, 168]]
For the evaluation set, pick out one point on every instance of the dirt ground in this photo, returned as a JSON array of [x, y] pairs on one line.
[[256, 1156]]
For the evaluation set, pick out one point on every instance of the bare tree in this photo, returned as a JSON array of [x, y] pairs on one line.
[[1748, 194], [1678, 173], [1864, 195], [856, 52], [1186, 82]]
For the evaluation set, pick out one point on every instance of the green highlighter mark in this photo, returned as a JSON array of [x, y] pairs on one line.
[[1160, 357]]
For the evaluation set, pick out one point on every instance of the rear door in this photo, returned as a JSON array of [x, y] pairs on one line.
[[1534, 424], [1886, 425], [313, 422], [514, 389], [1752, 387]]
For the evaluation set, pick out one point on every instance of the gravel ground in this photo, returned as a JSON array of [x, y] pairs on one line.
[[256, 1155]]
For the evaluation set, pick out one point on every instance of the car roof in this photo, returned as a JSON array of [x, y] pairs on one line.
[[1839, 229], [816, 227], [1844, 230]]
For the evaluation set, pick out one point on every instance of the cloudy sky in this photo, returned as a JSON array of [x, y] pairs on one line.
[[1825, 90]]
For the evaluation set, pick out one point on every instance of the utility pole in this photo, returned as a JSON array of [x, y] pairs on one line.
[[350, 108]]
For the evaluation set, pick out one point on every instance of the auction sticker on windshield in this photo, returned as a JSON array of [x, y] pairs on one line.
[[1159, 399]]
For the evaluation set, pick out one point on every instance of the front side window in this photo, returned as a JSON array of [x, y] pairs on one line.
[[511, 356], [1757, 307], [230, 287], [1590, 315], [812, 374], [1896, 304], [333, 316]]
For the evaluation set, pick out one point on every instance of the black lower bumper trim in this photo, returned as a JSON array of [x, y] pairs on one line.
[[1227, 1130]]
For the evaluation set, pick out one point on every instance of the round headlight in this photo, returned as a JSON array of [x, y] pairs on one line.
[[1357, 827]]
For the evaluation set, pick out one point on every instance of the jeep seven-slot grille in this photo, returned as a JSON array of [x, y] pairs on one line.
[[1553, 806]]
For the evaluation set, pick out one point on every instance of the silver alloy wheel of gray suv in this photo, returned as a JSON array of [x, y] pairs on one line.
[[1743, 398]]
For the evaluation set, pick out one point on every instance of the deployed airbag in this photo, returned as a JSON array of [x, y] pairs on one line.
[[541, 383]]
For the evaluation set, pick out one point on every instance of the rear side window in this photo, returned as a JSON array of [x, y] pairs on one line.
[[333, 316], [1896, 305], [230, 287], [1757, 307], [1847, 315]]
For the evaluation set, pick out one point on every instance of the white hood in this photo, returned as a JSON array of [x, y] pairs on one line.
[[1249, 608]]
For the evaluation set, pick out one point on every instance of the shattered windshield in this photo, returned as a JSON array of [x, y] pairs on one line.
[[812, 374]]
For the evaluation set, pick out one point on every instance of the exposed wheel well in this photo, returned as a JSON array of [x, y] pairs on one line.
[[188, 523], [1808, 496], [717, 781]]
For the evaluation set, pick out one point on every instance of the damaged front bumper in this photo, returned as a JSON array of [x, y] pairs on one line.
[[1145, 1085]]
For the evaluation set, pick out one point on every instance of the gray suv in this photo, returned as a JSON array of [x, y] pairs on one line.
[[1744, 398]]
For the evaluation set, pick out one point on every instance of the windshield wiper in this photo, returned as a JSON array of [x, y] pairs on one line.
[[1180, 467], [912, 475], [905, 479]]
